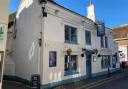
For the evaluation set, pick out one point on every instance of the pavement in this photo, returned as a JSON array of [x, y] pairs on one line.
[[13, 85], [115, 81]]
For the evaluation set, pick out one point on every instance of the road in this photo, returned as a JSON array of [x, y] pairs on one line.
[[118, 81], [121, 83], [13, 85]]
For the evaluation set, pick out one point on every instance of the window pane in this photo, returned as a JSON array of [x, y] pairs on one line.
[[106, 42], [74, 62], [88, 37], [67, 33], [66, 63], [71, 63], [73, 35], [105, 62], [102, 42]]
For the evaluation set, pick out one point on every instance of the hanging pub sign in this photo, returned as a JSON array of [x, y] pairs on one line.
[[1, 32], [100, 28]]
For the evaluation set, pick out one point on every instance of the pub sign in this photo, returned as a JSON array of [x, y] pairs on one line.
[[100, 29]]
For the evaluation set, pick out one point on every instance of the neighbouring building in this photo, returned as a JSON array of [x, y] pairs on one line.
[[60, 45], [4, 14], [121, 37]]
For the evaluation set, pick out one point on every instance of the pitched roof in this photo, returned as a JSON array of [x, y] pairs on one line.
[[120, 32], [52, 1]]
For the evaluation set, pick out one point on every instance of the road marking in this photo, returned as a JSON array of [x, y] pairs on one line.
[[98, 82], [101, 83]]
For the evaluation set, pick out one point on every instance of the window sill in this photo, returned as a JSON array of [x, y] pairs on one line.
[[71, 72], [74, 43], [89, 44]]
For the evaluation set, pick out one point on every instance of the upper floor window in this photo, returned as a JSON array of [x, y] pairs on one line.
[[102, 41], [70, 34], [106, 42], [88, 37]]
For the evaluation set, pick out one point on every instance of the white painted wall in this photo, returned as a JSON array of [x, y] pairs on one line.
[[112, 47], [30, 24], [9, 62], [26, 48], [124, 50]]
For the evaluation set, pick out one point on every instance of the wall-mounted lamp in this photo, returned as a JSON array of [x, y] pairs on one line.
[[56, 11], [42, 1], [98, 55], [40, 39], [82, 55], [44, 12]]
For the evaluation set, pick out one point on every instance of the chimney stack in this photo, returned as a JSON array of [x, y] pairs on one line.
[[91, 11]]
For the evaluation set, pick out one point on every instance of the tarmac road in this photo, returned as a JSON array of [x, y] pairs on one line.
[[121, 83], [117, 81]]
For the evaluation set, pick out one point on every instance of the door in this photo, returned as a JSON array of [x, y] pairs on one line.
[[88, 65]]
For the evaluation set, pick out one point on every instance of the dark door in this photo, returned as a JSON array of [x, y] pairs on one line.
[[88, 65]]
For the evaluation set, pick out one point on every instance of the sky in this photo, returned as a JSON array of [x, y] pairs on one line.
[[113, 12]]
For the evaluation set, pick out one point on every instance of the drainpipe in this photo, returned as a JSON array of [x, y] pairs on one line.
[[109, 65], [41, 41]]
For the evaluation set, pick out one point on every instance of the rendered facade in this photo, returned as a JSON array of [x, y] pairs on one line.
[[59, 45], [4, 13]]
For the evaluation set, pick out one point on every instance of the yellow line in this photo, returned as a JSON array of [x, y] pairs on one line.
[[91, 84], [101, 83]]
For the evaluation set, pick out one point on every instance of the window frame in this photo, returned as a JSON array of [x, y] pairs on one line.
[[106, 65], [69, 30], [69, 62]]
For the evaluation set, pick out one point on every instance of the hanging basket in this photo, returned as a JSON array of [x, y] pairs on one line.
[[69, 51]]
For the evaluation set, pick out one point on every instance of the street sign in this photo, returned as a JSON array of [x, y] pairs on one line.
[[100, 28]]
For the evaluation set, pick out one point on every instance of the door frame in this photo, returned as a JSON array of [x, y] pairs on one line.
[[89, 67]]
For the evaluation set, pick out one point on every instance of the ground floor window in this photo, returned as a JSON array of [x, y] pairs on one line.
[[105, 62], [70, 64]]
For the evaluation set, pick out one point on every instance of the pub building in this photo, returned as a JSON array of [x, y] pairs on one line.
[[59, 45]]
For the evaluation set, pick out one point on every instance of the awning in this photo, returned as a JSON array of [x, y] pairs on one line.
[[105, 51], [89, 51]]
